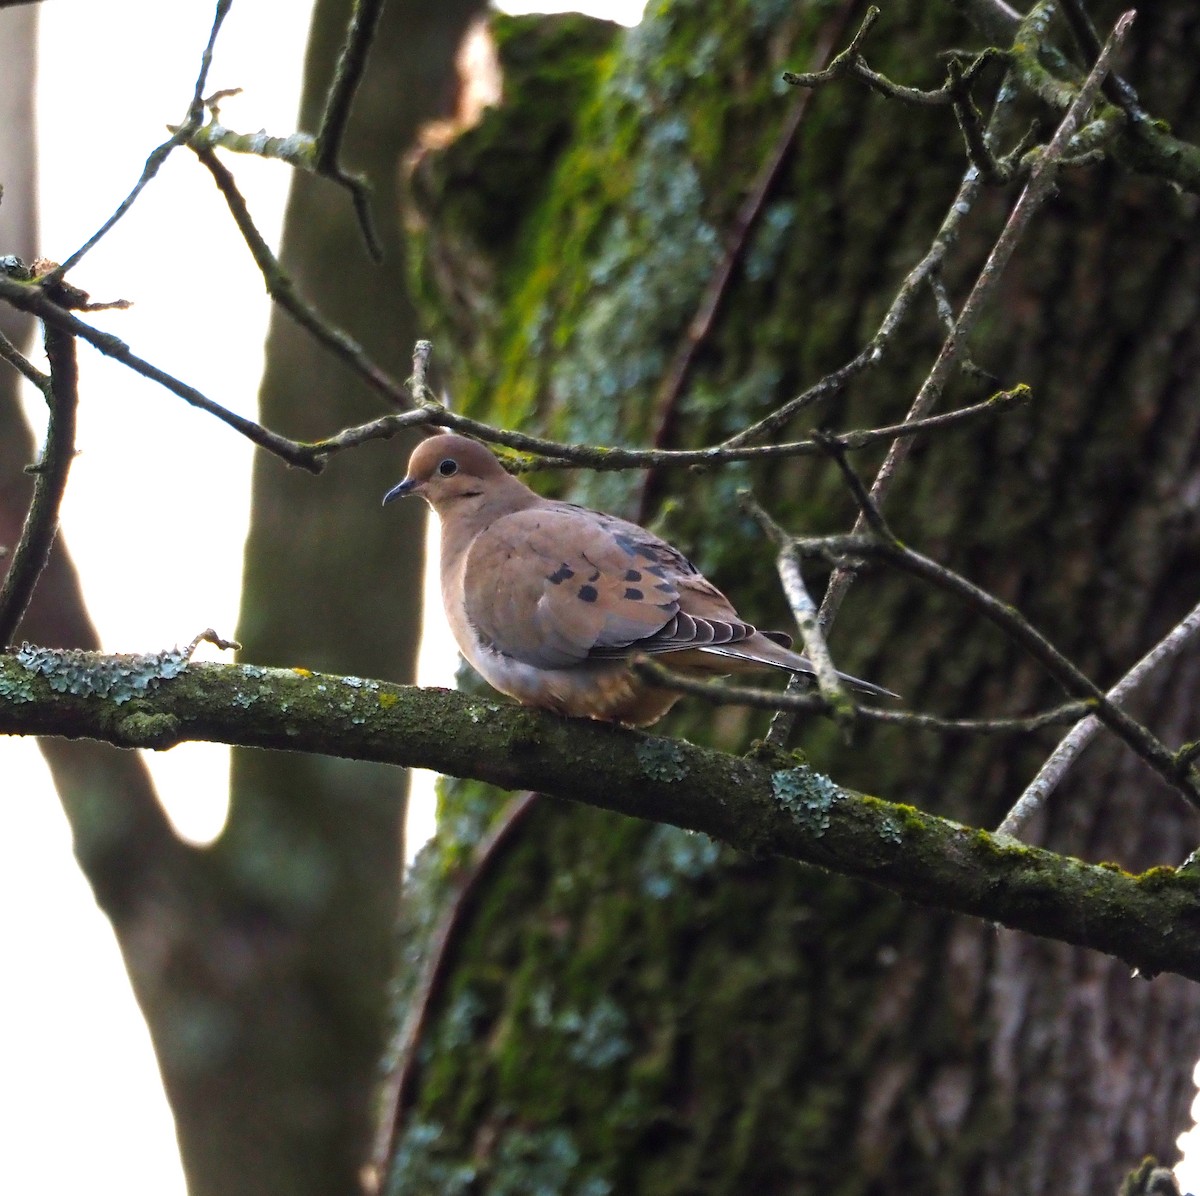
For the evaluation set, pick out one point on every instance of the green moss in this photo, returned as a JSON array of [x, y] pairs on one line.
[[589, 295], [1156, 880], [155, 731]]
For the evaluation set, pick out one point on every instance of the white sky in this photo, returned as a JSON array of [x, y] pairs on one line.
[[72, 1042]]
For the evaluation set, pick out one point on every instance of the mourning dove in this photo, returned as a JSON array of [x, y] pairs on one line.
[[549, 601]]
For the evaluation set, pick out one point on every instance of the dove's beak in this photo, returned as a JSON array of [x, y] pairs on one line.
[[408, 486]]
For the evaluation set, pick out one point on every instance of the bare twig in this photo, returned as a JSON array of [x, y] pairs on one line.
[[551, 454], [1088, 40], [347, 76], [804, 611], [869, 512], [158, 156], [1068, 712], [837, 548], [50, 482], [33, 299], [1063, 756], [851, 64], [722, 694], [25, 367], [415, 383], [833, 383], [281, 288], [810, 702]]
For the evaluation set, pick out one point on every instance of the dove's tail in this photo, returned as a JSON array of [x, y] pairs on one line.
[[770, 650]]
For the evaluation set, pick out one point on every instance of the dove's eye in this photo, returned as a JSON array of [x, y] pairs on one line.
[[448, 468]]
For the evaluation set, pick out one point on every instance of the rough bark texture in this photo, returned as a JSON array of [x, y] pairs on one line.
[[636, 1010]]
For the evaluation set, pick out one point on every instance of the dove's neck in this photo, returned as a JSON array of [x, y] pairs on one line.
[[474, 514]]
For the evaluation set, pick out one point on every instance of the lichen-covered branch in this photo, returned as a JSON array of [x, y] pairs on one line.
[[776, 806]]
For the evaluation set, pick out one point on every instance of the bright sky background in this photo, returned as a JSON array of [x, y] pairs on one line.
[[72, 1042]]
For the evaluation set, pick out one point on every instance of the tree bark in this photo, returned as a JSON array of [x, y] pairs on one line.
[[633, 1009]]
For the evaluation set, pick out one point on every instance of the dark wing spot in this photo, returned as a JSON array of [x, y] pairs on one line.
[[664, 587], [634, 595], [632, 575], [563, 573], [659, 571], [588, 593]]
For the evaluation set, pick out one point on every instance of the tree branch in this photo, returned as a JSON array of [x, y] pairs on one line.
[[1035, 192], [50, 484], [1175, 769], [776, 807], [195, 115], [352, 62], [33, 298], [1063, 756]]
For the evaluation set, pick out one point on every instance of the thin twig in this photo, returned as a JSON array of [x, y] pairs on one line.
[[551, 454], [281, 288], [25, 367], [810, 702], [1022, 632], [1063, 756], [50, 482], [971, 125], [804, 611], [722, 694], [1088, 40], [415, 383], [851, 64], [33, 299], [869, 512], [193, 120], [833, 383], [339, 100], [1068, 712]]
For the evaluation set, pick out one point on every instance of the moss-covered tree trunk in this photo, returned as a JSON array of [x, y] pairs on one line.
[[631, 1009]]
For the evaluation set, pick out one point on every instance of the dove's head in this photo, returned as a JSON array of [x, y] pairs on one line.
[[452, 472]]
